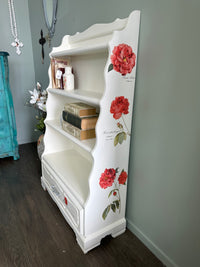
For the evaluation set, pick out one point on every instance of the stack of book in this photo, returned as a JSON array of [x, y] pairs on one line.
[[79, 120]]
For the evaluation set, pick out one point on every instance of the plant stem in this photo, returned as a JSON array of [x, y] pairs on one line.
[[117, 189], [126, 126]]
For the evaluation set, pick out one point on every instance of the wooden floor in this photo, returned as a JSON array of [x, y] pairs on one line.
[[34, 233]]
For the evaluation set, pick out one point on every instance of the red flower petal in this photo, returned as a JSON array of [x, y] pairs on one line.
[[107, 178], [118, 106], [123, 59]]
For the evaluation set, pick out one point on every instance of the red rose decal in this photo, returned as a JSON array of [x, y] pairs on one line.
[[107, 178], [118, 106], [123, 177], [123, 59]]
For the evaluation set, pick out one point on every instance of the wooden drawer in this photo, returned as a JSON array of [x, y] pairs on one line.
[[61, 197]]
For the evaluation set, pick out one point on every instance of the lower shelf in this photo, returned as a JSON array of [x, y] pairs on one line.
[[75, 218], [73, 170], [87, 144]]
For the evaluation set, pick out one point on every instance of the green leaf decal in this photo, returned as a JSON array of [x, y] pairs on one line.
[[113, 207], [106, 211], [121, 137], [116, 140], [110, 193], [110, 67], [116, 203]]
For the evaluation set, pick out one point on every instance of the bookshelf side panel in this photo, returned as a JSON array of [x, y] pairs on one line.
[[108, 180]]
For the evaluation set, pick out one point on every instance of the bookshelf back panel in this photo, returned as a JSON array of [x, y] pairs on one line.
[[89, 71], [55, 142], [56, 103], [61, 142], [64, 165]]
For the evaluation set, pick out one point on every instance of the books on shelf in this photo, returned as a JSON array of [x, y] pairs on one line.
[[78, 133], [83, 123], [79, 119], [80, 109]]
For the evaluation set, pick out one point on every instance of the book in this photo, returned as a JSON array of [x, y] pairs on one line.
[[78, 133], [83, 123], [80, 109]]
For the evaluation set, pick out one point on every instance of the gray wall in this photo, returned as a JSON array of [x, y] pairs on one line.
[[163, 189], [37, 23], [22, 74]]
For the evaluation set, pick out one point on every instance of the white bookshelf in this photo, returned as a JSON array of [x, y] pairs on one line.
[[88, 179]]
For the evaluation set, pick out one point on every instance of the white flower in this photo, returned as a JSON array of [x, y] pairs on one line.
[[44, 93], [41, 106], [34, 96], [39, 86]]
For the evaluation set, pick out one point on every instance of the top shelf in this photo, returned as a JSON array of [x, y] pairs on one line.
[[82, 95], [93, 40], [90, 49]]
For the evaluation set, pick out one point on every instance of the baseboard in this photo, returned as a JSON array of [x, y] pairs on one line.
[[150, 245]]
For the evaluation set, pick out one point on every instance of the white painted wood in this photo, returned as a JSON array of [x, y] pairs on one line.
[[91, 241], [93, 173], [90, 97], [93, 40], [88, 144], [75, 177]]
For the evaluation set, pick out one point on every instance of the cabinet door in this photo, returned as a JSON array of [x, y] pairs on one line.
[[5, 140], [2, 99], [5, 145]]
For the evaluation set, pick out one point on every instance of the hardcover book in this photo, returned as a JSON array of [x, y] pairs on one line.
[[80, 109], [84, 123], [78, 133]]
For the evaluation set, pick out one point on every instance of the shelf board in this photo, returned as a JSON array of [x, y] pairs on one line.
[[88, 144], [87, 49], [64, 165], [82, 95]]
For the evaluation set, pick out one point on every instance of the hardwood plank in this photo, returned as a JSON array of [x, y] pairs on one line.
[[34, 233]]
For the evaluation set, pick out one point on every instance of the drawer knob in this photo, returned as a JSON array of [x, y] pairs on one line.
[[66, 201]]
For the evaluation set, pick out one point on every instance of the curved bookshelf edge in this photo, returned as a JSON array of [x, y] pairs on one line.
[[93, 40]]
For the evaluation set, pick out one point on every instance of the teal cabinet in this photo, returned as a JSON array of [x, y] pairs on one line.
[[8, 131]]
